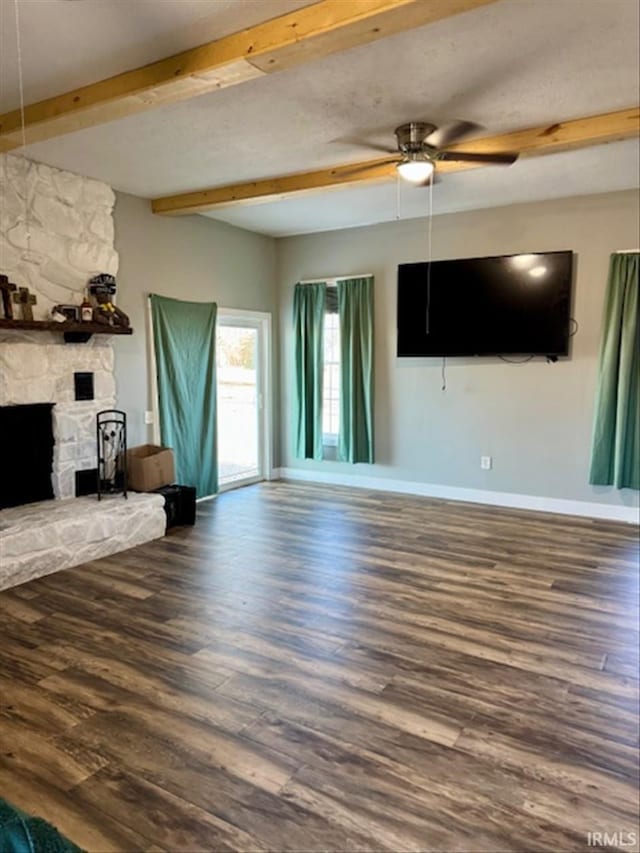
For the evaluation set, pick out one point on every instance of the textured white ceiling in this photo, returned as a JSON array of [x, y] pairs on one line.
[[603, 168], [67, 44], [514, 64]]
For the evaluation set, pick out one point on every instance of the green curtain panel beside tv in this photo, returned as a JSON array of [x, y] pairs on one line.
[[615, 455], [184, 335], [355, 309], [309, 301]]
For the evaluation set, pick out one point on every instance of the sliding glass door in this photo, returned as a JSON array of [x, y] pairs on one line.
[[244, 440]]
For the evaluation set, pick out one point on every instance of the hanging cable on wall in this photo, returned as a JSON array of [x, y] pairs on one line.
[[444, 373]]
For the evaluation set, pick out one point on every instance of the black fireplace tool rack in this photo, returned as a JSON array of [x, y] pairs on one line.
[[111, 437]]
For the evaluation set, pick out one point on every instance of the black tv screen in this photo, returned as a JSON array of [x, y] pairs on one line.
[[504, 305]]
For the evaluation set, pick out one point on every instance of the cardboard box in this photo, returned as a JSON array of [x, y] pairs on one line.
[[150, 467]]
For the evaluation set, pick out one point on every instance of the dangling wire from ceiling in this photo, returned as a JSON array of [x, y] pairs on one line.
[[16, 7], [429, 261], [429, 253]]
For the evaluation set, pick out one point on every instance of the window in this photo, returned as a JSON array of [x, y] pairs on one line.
[[331, 372]]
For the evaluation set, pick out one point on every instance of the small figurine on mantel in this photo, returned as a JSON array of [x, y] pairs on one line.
[[102, 287], [7, 288], [26, 301]]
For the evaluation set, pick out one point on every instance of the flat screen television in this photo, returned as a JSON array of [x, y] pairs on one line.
[[504, 305]]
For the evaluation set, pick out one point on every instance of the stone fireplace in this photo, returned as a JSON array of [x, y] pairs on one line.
[[33, 371], [56, 231]]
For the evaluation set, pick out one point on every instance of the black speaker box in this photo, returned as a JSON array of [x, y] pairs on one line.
[[179, 504]]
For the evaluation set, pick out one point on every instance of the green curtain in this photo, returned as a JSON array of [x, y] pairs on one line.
[[615, 454], [21, 833], [184, 335], [309, 301], [355, 309]]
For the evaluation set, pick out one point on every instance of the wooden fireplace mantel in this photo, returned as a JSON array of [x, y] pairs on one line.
[[73, 332]]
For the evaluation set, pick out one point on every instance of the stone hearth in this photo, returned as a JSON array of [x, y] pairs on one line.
[[40, 538]]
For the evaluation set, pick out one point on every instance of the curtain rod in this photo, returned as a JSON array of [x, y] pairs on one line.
[[626, 251], [334, 279]]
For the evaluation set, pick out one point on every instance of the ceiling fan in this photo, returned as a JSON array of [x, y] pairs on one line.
[[420, 145]]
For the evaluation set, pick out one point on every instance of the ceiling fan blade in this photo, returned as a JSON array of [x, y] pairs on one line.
[[380, 148], [362, 143], [366, 166], [451, 132], [506, 158]]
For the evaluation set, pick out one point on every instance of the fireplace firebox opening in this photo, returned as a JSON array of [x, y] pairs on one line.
[[27, 431]]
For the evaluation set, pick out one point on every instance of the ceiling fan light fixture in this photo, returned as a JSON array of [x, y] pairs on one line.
[[417, 170]]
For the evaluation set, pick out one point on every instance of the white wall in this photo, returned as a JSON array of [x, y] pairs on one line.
[[191, 258], [533, 419]]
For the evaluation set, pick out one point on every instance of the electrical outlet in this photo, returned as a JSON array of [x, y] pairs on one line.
[[486, 462], [148, 417]]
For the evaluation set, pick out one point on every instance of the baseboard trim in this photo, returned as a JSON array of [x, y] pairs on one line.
[[561, 506]]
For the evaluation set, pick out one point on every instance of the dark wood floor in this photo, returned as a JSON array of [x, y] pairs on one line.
[[329, 669]]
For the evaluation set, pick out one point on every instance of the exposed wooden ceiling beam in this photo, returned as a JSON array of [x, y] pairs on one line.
[[310, 33], [566, 136], [272, 189]]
